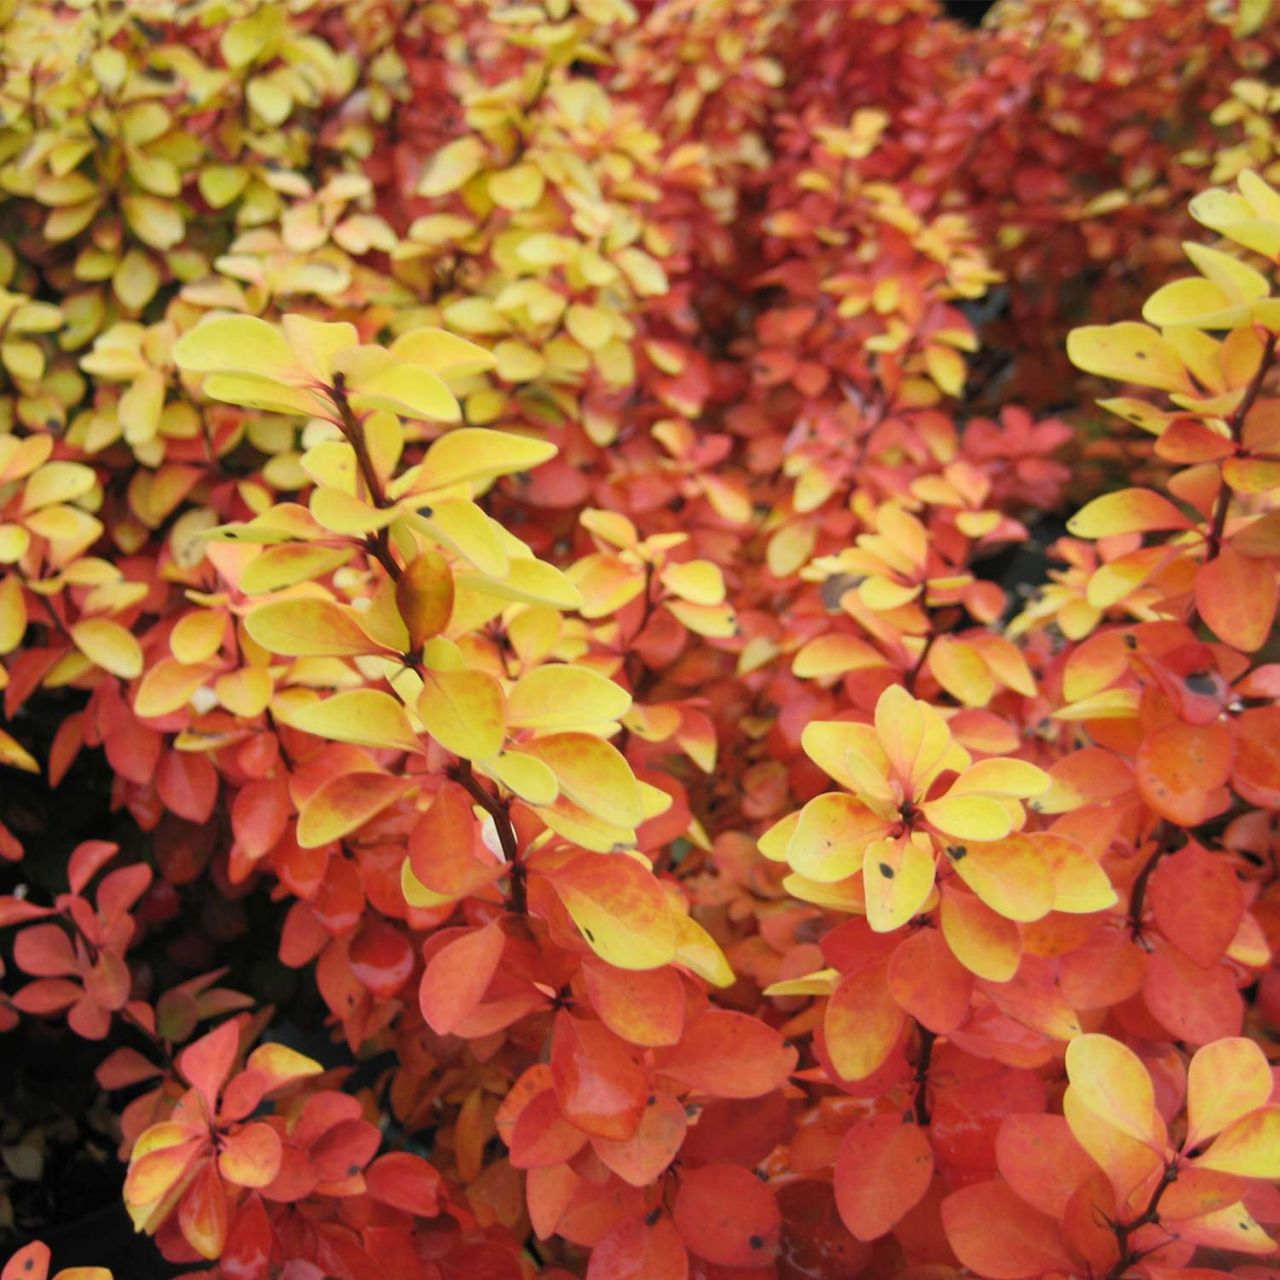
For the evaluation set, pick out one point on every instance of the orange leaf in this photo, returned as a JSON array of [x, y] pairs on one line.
[[727, 1216], [641, 1158], [251, 1157], [599, 1083], [1236, 596], [1182, 769], [929, 983], [1000, 1236], [862, 1023], [458, 975], [882, 1171], [345, 803], [762, 1059]]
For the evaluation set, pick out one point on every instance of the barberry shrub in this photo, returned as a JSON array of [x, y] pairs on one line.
[[541, 522]]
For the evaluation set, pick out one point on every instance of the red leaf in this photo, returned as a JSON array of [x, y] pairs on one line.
[[345, 1149], [381, 958], [1197, 902], [762, 1059], [882, 1171], [1193, 1004], [726, 1215], [599, 1082], [44, 951], [31, 1262], [633, 1250], [87, 859], [405, 1182]]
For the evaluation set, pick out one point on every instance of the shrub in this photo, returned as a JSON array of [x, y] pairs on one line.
[[548, 515]]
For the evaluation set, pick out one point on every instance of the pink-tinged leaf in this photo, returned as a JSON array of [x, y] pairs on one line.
[[87, 859], [634, 1250], [206, 1063]]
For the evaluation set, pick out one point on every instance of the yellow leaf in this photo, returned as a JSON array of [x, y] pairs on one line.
[[1128, 352], [590, 326], [479, 456], [698, 581], [108, 645], [345, 803], [697, 951], [1249, 1147], [464, 711], [452, 165], [367, 717], [307, 627], [1112, 1082], [1227, 1080], [963, 817], [377, 380], [620, 908], [13, 614], [519, 187], [897, 879], [57, 482], [526, 776], [593, 775], [168, 685], [1009, 875], [564, 697], [197, 636], [830, 836], [443, 352], [240, 345], [15, 755]]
